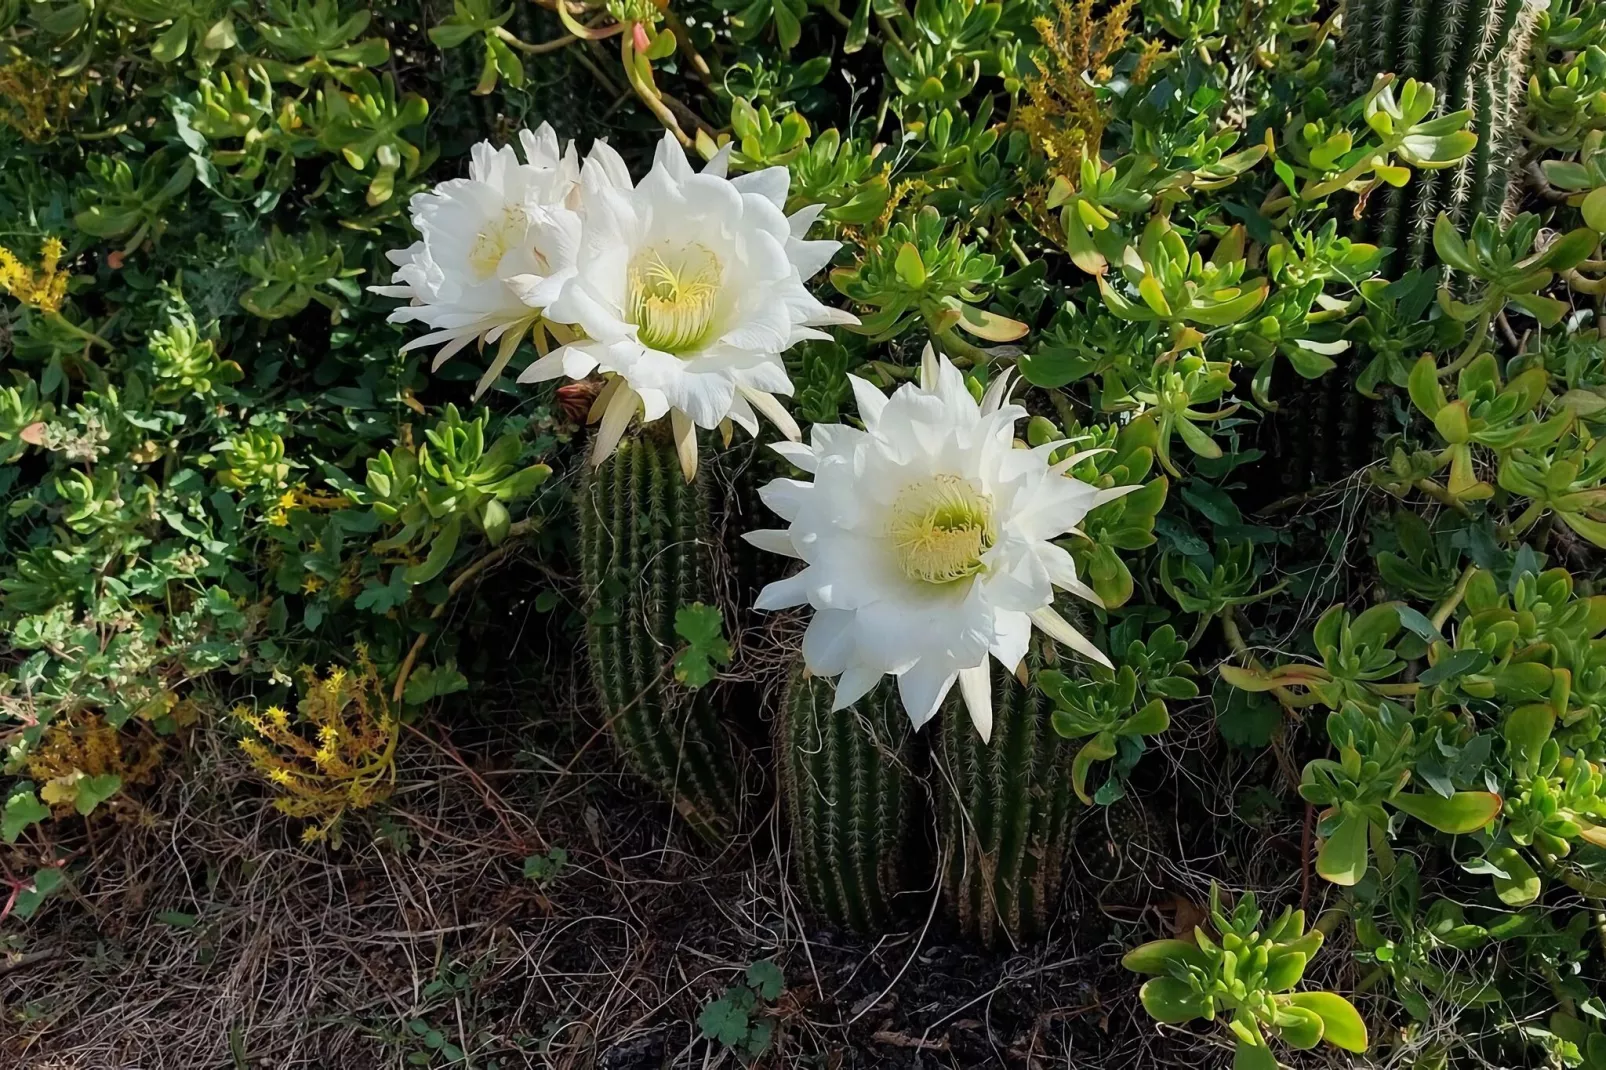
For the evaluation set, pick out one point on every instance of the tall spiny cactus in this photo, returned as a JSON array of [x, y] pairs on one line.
[[1005, 810], [1475, 55], [852, 796], [647, 549]]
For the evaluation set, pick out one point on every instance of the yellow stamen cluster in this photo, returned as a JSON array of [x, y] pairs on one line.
[[940, 529], [492, 243], [1063, 115], [673, 297], [45, 289], [336, 752]]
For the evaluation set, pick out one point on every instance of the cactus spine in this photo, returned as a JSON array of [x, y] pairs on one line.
[[851, 797], [647, 550], [1005, 810], [1475, 55]]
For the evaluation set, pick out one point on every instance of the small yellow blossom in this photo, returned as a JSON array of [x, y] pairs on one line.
[[44, 290], [1063, 114], [85, 745], [335, 753], [37, 101]]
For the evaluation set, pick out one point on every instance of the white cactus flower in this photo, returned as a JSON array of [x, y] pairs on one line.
[[686, 290], [927, 542], [493, 248]]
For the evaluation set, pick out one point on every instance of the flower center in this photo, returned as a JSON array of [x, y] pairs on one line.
[[672, 297], [941, 528], [492, 243]]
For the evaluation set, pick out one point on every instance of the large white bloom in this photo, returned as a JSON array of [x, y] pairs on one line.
[[687, 288], [926, 537], [493, 248]]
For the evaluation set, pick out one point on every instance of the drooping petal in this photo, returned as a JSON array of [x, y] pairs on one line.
[[796, 453], [1059, 629], [620, 410], [784, 594], [775, 540], [922, 689], [773, 410], [770, 183], [856, 681], [976, 687], [869, 400], [786, 497], [685, 435]]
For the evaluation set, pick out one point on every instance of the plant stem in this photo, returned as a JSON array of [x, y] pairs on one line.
[[1442, 496], [648, 92], [892, 35], [514, 41], [89, 336], [1441, 613], [1480, 335]]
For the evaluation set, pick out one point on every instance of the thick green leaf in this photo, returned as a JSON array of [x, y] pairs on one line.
[[440, 553], [1461, 813], [1299, 1028], [1284, 971], [1156, 956], [1521, 885], [1253, 1057], [1342, 858], [1527, 728], [1342, 1025], [1172, 1002]]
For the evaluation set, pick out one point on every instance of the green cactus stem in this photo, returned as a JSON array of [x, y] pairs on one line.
[[1005, 810], [852, 798], [647, 549], [1475, 55]]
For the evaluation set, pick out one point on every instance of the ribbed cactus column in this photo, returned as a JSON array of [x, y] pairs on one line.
[[1005, 810], [1475, 54], [647, 549], [852, 796]]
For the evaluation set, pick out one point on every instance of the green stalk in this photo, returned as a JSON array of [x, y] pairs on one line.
[[646, 548], [1004, 810], [852, 795]]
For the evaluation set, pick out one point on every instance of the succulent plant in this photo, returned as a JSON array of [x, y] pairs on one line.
[[1475, 57], [647, 549], [853, 792]]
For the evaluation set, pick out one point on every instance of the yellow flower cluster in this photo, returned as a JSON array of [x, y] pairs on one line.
[[302, 498], [37, 102], [45, 289], [335, 753], [1063, 114], [84, 745]]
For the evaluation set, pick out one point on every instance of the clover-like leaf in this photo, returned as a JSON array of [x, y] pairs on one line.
[[703, 628]]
